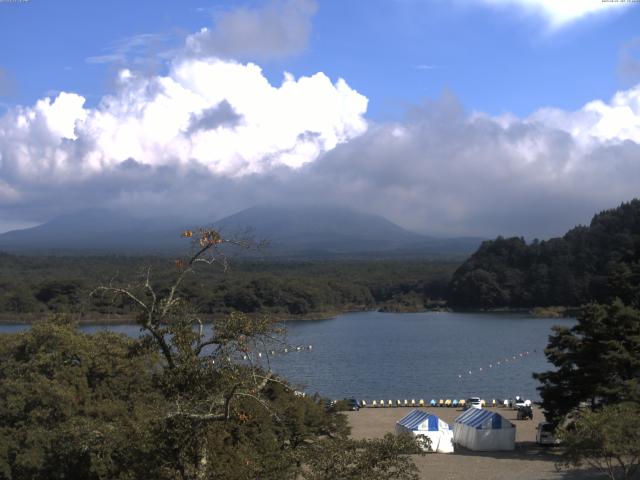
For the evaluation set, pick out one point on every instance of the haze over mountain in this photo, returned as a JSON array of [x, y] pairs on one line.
[[316, 231]]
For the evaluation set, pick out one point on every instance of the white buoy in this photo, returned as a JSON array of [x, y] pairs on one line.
[[260, 354]]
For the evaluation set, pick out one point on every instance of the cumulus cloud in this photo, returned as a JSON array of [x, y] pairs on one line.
[[442, 170], [445, 171], [280, 28], [211, 136], [223, 115], [558, 13]]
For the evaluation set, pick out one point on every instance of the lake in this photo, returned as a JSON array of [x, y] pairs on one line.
[[375, 355]]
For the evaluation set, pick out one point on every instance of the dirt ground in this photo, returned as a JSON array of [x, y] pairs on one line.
[[527, 462]]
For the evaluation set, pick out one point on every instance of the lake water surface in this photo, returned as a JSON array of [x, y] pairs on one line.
[[374, 355]]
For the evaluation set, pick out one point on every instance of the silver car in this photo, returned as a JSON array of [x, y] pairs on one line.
[[544, 434]]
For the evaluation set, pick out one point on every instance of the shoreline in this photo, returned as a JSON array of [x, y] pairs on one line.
[[96, 319]]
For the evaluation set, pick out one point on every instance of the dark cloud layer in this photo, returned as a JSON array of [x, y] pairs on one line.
[[441, 171], [279, 29], [222, 115]]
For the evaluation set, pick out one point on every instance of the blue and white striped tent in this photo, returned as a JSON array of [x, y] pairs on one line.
[[479, 429], [421, 423]]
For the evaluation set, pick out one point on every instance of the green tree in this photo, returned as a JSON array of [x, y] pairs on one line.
[[190, 399], [226, 416], [76, 406], [608, 440], [597, 360], [377, 459]]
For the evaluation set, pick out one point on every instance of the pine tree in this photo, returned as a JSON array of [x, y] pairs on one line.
[[597, 360]]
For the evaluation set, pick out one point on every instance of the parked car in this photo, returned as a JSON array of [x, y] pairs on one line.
[[346, 404], [352, 404], [525, 412], [544, 434], [473, 402]]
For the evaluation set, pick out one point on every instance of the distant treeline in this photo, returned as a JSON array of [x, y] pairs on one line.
[[594, 263], [36, 285]]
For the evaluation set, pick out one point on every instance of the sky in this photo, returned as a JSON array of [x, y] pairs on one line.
[[449, 117]]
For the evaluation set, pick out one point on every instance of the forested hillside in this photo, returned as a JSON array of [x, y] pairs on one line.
[[594, 263], [31, 286]]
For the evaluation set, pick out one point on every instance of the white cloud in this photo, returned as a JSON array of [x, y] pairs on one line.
[[215, 136], [598, 121], [559, 13], [151, 121]]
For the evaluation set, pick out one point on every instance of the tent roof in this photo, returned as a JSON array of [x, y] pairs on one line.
[[483, 419], [415, 418]]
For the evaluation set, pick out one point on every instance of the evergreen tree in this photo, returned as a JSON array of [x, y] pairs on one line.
[[597, 361]]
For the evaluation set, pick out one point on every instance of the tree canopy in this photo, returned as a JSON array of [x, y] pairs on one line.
[[588, 264], [608, 440], [187, 400], [597, 361]]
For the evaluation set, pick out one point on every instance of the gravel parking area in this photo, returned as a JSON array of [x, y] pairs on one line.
[[527, 462]]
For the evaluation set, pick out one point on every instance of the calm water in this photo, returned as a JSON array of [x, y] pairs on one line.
[[374, 355]]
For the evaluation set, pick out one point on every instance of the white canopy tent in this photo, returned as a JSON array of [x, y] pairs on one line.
[[421, 423], [482, 430]]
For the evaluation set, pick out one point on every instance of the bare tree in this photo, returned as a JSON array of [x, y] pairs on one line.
[[209, 368]]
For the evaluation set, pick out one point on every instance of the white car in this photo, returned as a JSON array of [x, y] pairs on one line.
[[544, 434], [473, 402]]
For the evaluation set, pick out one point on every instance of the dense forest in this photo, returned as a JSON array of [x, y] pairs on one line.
[[34, 285], [592, 263]]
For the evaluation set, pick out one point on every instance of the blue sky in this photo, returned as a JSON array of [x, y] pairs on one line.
[[479, 117], [396, 52]]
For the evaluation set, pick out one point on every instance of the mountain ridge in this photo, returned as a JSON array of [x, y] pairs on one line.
[[293, 231]]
